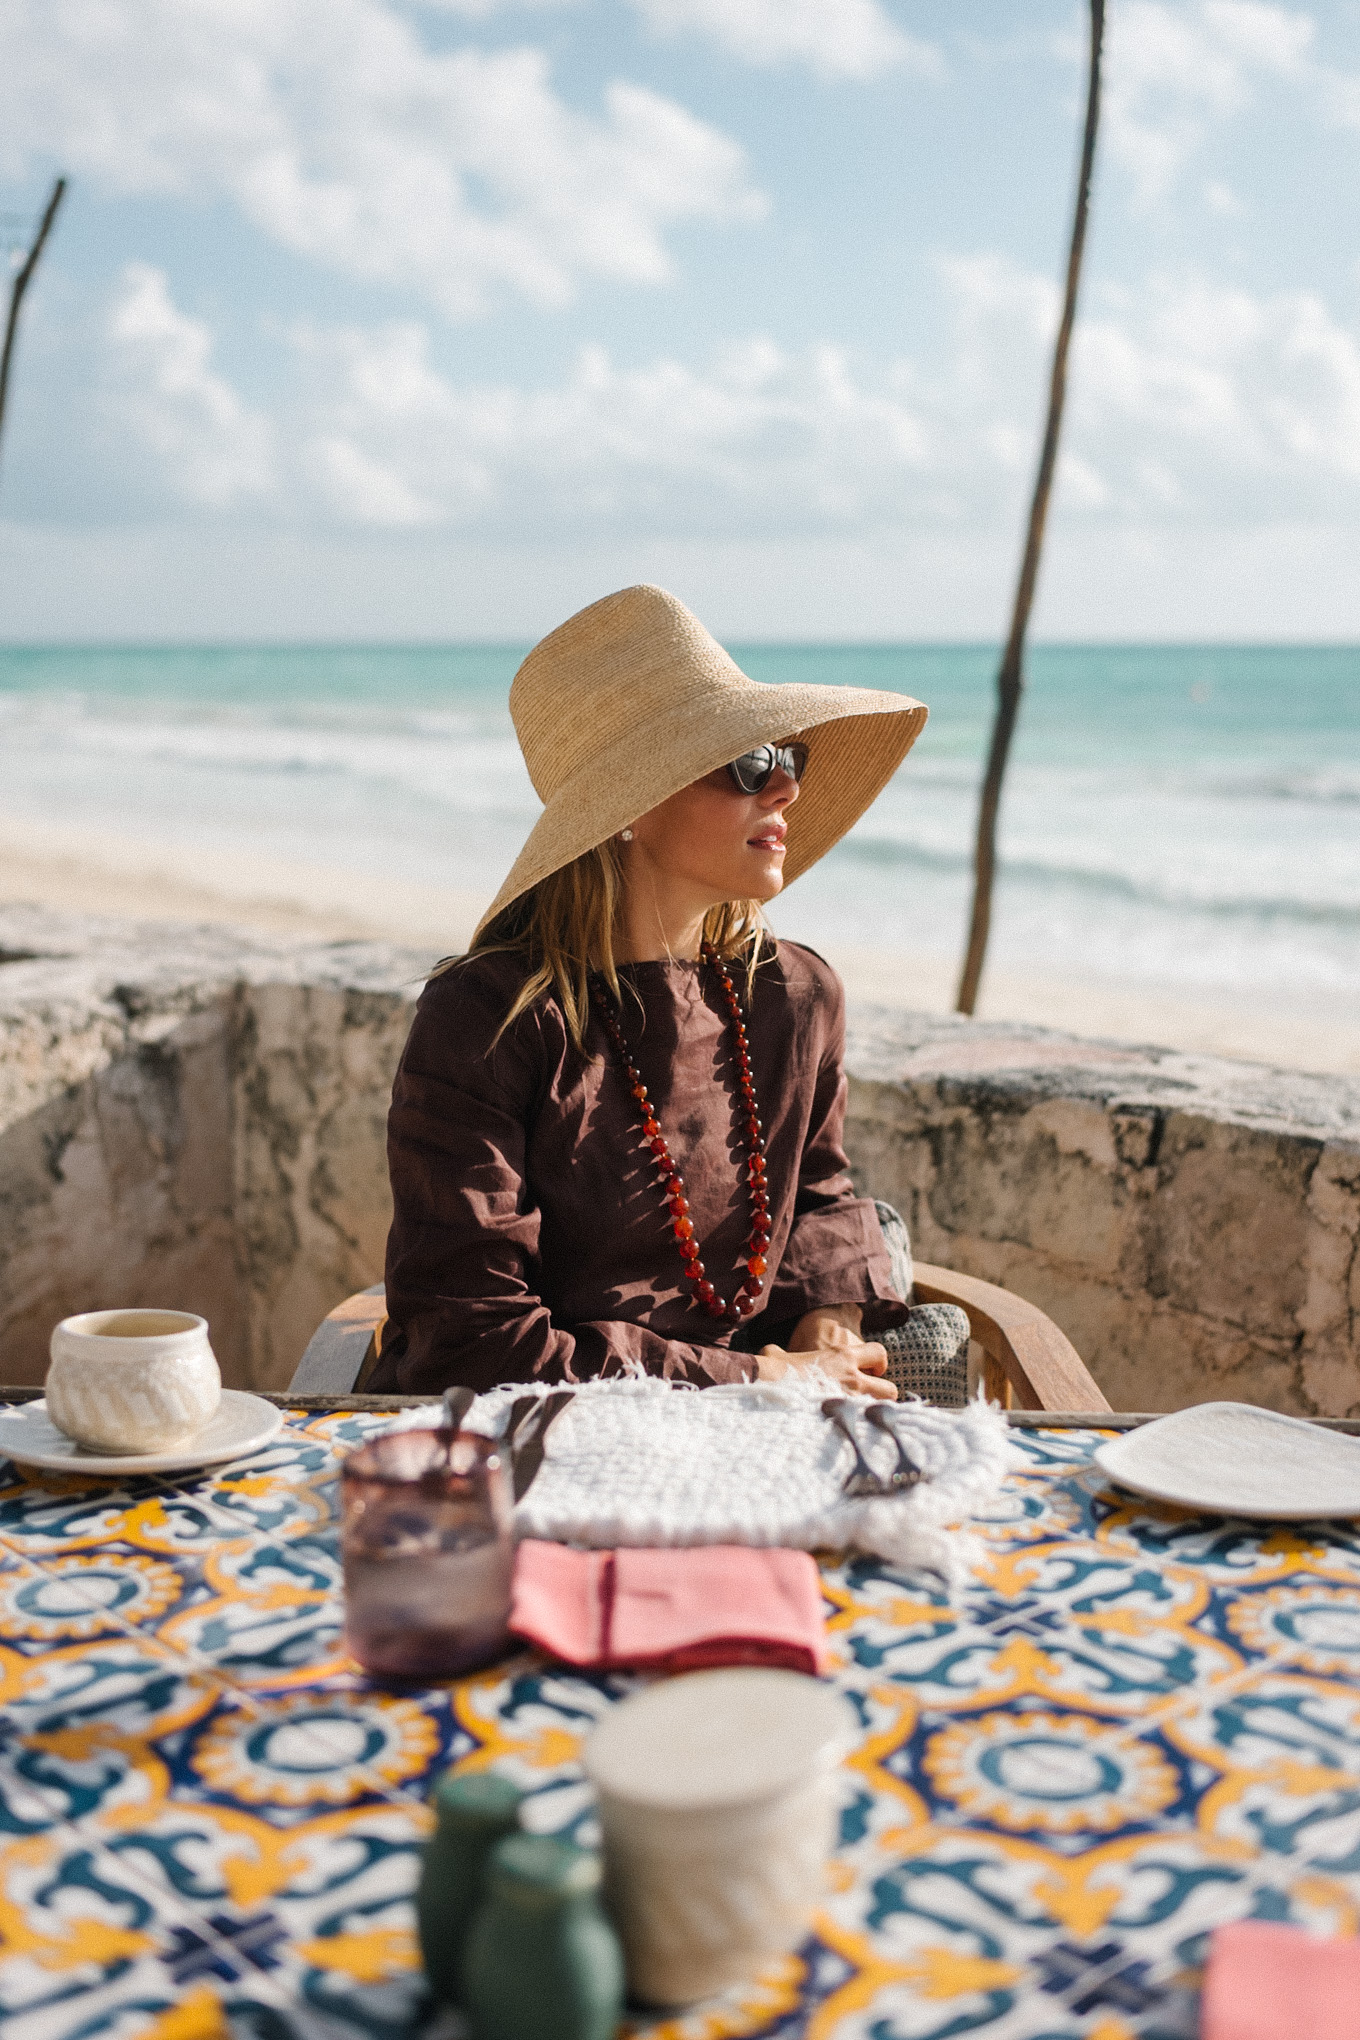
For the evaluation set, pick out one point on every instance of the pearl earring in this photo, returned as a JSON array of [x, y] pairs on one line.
[[625, 835]]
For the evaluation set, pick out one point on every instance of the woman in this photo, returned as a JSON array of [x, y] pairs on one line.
[[615, 1137]]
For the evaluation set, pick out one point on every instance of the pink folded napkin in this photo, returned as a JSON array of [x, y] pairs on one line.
[[672, 1611], [1265, 1981]]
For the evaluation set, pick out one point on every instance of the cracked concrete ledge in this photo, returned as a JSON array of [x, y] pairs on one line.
[[192, 1116], [196, 1115], [1192, 1223]]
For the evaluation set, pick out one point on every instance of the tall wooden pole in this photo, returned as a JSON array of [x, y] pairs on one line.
[[1010, 678], [23, 278]]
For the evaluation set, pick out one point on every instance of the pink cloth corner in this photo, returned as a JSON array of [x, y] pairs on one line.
[[1265, 1981], [670, 1610], [558, 1599]]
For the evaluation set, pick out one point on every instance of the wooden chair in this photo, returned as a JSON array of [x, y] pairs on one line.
[[1029, 1363]]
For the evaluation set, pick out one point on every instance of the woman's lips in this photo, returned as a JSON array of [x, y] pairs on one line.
[[774, 840]]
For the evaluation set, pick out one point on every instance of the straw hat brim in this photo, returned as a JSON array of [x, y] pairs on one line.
[[856, 738]]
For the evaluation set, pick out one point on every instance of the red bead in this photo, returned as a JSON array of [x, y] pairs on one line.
[[753, 1127], [689, 1249], [680, 1207], [684, 1228], [743, 1305], [660, 1150], [640, 1093], [675, 1183], [707, 1293], [651, 1127], [753, 1285], [756, 1265], [695, 1272]]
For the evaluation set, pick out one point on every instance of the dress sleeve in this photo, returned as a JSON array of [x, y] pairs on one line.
[[836, 1251], [462, 1253]]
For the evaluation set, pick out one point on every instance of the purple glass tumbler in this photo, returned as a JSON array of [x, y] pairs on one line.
[[427, 1548]]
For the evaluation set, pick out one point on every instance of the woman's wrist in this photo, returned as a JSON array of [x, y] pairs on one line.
[[830, 1324]]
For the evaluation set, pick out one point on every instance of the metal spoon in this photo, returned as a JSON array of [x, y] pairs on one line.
[[457, 1403]]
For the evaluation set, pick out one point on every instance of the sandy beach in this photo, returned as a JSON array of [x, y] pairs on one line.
[[86, 872]]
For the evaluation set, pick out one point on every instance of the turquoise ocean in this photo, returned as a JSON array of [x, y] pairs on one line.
[[1188, 818]]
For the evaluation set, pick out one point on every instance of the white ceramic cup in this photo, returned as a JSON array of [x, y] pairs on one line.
[[132, 1380], [718, 1800]]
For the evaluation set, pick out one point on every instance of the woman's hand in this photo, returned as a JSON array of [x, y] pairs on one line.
[[829, 1339]]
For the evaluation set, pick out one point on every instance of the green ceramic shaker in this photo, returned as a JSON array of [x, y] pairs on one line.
[[473, 1813], [542, 1962]]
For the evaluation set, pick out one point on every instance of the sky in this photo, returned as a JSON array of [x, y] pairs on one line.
[[402, 320]]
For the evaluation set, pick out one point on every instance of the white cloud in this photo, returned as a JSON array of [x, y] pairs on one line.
[[210, 448], [1172, 70], [361, 491], [461, 175], [1187, 402], [834, 38], [483, 10], [1186, 397], [1191, 404], [754, 438]]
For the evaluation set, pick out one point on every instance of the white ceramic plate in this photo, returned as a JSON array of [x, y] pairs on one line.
[[242, 1424], [1232, 1459]]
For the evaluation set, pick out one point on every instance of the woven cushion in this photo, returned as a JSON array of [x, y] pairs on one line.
[[897, 1240], [928, 1355]]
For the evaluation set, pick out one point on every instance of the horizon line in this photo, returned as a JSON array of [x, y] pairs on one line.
[[763, 644]]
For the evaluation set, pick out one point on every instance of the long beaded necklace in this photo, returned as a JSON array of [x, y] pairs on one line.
[[672, 1183]]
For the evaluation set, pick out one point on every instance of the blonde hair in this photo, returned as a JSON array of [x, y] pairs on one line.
[[564, 928]]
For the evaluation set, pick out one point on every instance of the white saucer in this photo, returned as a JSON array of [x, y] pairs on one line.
[[1232, 1459], [242, 1424]]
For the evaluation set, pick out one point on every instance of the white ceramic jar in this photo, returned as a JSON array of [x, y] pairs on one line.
[[718, 1803], [132, 1380]]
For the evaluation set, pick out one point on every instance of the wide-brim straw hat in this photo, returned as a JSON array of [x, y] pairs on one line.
[[630, 700]]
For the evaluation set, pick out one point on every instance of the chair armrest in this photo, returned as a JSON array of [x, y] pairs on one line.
[[1026, 1353], [342, 1349]]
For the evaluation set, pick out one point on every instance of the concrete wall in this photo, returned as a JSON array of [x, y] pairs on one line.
[[194, 1117], [1192, 1224], [191, 1118]]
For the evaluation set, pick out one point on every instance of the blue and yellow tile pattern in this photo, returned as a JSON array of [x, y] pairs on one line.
[[1129, 1726]]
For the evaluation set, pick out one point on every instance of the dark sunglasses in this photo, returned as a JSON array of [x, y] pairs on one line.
[[753, 771]]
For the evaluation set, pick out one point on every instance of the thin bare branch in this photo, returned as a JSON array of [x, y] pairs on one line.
[[1010, 678], [22, 279]]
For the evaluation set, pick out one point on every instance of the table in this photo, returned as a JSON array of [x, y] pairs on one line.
[[1122, 1727]]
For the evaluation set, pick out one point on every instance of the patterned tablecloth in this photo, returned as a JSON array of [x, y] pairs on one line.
[[1130, 1725]]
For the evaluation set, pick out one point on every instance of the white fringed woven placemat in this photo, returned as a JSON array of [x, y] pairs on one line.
[[639, 1462]]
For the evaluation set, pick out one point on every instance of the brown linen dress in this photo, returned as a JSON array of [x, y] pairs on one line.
[[531, 1240]]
